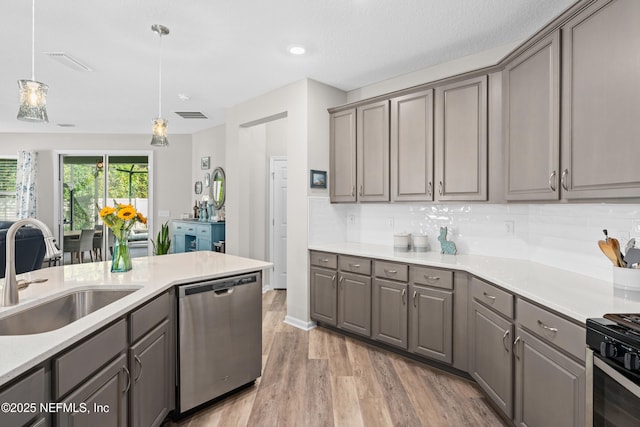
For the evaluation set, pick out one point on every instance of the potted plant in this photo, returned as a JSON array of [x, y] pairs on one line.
[[162, 243]]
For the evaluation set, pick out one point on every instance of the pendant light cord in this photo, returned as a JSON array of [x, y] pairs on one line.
[[159, 78], [33, 40]]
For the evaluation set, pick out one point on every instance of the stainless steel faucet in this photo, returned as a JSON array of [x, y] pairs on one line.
[[10, 286]]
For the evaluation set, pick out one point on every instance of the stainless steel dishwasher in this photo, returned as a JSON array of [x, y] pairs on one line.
[[219, 337]]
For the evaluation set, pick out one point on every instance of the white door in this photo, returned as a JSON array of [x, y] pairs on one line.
[[279, 222]]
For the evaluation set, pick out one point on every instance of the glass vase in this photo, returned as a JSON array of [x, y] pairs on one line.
[[121, 259]]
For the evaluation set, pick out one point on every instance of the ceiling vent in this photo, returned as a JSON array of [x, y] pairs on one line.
[[68, 61], [191, 115]]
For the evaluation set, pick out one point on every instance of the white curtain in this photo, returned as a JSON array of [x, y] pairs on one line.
[[26, 190]]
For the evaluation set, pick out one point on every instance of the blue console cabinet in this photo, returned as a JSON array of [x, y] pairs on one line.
[[193, 235]]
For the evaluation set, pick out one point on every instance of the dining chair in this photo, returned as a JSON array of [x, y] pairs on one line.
[[97, 243], [79, 245]]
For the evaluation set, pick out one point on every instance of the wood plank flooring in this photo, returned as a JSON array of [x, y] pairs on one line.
[[321, 378]]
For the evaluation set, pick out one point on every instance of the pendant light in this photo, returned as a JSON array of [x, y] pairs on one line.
[[159, 124], [33, 94]]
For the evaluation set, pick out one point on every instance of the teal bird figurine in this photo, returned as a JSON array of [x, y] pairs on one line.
[[446, 246]]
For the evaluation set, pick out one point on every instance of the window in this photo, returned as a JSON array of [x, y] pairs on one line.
[[8, 170]]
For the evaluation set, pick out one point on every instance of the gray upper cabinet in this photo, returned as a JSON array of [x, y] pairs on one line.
[[412, 147], [461, 140], [600, 107], [531, 120], [342, 179], [372, 142]]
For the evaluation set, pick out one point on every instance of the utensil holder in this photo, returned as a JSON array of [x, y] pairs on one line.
[[626, 278]]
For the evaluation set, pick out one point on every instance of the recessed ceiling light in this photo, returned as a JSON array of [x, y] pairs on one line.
[[296, 49]]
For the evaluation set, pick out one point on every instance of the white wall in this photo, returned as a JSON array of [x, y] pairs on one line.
[[171, 174], [207, 143]]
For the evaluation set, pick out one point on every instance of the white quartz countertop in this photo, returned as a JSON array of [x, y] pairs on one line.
[[576, 296], [151, 276]]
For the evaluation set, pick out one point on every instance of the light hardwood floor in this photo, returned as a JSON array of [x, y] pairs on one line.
[[321, 378]]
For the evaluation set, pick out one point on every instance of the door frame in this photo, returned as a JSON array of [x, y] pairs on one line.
[[57, 188], [272, 240]]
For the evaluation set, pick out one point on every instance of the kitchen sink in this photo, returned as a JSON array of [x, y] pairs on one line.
[[59, 312]]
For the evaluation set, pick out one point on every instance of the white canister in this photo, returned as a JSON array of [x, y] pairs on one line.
[[626, 278], [401, 241], [420, 242]]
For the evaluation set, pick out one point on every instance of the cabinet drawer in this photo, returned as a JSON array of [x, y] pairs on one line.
[[493, 297], [203, 230], [29, 390], [355, 264], [431, 277], [391, 270], [552, 328], [76, 365], [183, 227], [324, 259], [147, 317]]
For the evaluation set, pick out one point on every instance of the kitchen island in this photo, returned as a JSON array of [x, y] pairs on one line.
[[150, 276]]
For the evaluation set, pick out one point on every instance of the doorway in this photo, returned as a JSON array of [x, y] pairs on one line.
[[278, 213], [90, 181]]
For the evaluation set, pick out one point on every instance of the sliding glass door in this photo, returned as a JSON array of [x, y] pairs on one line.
[[89, 182]]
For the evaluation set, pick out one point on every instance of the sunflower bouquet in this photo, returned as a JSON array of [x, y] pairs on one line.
[[121, 219]]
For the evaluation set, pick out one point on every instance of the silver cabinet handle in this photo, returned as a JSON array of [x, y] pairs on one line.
[[504, 337], [139, 362], [547, 328], [431, 277], [515, 348], [489, 297], [360, 190], [563, 179], [430, 188], [552, 181], [324, 260], [354, 265], [353, 191], [126, 371], [404, 294], [341, 280], [415, 293], [390, 271], [333, 277], [440, 188]]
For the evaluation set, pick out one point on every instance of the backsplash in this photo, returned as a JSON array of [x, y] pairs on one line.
[[560, 235]]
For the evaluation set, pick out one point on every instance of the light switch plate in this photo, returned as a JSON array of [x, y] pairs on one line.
[[164, 214]]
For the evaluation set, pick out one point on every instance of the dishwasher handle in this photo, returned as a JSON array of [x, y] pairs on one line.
[[219, 286]]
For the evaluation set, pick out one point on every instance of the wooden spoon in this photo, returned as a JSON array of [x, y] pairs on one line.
[[615, 245], [608, 251]]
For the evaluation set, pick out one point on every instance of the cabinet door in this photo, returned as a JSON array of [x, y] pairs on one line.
[[354, 303], [600, 107], [389, 312], [151, 374], [104, 396], [178, 243], [372, 138], [491, 364], [203, 244], [550, 387], [461, 140], [412, 147], [531, 118], [342, 177], [431, 312], [324, 297]]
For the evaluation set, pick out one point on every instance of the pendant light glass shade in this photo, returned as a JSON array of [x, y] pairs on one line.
[[159, 138], [160, 132], [33, 101], [33, 94]]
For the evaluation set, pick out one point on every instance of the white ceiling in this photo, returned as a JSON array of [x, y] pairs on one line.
[[223, 52]]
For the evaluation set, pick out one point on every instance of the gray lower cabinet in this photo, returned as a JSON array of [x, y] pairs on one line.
[[102, 400], [491, 362], [342, 145], [31, 389], [150, 369], [324, 298], [354, 303], [549, 387], [531, 119], [600, 106], [431, 323], [461, 140], [389, 312]]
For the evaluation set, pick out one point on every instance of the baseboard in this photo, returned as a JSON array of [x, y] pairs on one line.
[[266, 287], [300, 324]]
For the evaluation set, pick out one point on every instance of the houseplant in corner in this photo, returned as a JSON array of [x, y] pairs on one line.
[[121, 220], [162, 242]]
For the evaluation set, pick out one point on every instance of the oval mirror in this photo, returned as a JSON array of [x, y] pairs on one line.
[[217, 187]]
